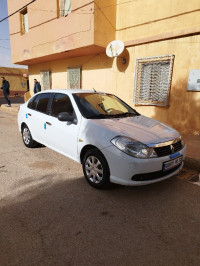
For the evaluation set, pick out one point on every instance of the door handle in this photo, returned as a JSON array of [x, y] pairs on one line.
[[49, 124]]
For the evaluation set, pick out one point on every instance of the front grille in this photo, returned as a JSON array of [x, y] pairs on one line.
[[154, 175], [166, 150]]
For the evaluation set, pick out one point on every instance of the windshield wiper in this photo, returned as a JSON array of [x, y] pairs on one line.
[[99, 116]]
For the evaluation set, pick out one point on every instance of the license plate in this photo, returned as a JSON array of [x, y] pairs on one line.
[[173, 163]]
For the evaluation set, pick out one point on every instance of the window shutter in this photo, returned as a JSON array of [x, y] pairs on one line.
[[26, 23], [65, 7]]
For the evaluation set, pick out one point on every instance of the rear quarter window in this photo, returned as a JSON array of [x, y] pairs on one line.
[[31, 101]]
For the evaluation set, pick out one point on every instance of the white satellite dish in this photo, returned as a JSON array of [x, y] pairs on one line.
[[114, 48]]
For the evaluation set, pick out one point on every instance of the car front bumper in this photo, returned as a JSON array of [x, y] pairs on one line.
[[123, 168]]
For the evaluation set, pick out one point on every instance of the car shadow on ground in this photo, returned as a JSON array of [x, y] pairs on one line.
[[51, 221]]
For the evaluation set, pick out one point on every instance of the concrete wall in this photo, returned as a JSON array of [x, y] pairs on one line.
[[48, 33], [86, 30], [146, 18], [147, 27], [111, 75], [105, 22], [18, 83]]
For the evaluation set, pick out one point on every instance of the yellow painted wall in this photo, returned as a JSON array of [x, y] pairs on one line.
[[130, 21], [144, 18], [48, 33], [15, 78], [90, 23], [111, 75], [104, 21]]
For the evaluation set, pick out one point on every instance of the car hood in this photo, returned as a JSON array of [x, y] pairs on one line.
[[140, 128]]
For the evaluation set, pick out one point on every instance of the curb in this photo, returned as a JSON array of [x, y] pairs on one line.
[[192, 163]]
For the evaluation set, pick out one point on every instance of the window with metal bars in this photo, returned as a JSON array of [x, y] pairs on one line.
[[74, 78], [45, 76], [153, 80]]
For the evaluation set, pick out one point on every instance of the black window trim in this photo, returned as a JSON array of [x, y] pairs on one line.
[[74, 94], [48, 106]]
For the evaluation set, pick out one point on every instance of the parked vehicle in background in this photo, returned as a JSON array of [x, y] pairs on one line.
[[112, 141]]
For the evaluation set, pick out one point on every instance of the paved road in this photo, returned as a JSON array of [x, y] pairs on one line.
[[12, 99], [49, 215]]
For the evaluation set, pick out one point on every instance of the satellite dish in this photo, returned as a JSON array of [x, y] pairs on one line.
[[114, 48]]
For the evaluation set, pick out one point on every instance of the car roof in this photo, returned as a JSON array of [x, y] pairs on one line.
[[69, 91]]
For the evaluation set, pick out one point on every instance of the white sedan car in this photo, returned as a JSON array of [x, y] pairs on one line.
[[112, 141]]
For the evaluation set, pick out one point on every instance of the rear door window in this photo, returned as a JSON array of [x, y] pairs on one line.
[[61, 103], [42, 101]]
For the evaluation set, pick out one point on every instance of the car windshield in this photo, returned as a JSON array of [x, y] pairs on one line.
[[100, 106]]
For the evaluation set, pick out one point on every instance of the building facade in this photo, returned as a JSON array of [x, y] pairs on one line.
[[64, 45], [18, 79]]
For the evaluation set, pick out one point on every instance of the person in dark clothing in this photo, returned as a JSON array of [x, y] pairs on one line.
[[37, 86], [5, 87]]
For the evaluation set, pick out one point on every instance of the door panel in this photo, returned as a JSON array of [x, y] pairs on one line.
[[37, 116], [62, 136]]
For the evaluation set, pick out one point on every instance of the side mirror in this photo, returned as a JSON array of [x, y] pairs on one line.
[[66, 117]]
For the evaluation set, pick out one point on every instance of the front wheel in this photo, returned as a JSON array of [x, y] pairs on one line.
[[95, 168], [27, 138]]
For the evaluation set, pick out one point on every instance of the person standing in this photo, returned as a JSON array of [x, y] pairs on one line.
[[37, 86], [6, 90]]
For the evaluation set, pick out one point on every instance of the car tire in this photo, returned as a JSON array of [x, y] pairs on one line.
[[27, 138], [96, 169]]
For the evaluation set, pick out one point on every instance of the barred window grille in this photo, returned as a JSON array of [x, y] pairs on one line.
[[45, 77], [153, 80], [74, 78]]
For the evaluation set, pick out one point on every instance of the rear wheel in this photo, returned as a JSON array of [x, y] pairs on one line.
[[96, 170], [27, 138]]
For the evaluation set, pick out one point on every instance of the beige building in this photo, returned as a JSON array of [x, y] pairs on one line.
[[17, 78], [64, 43]]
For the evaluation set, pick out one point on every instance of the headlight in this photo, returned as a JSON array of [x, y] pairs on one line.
[[182, 142], [133, 148]]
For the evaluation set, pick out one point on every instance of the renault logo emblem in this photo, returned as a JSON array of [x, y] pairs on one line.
[[172, 148]]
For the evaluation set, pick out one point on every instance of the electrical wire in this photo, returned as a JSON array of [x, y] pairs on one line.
[[85, 10], [17, 11], [90, 11]]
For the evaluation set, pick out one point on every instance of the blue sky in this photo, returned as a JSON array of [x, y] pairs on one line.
[[5, 54]]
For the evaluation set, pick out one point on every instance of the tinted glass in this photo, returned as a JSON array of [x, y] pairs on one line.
[[61, 103], [100, 105], [42, 102], [34, 104], [30, 103]]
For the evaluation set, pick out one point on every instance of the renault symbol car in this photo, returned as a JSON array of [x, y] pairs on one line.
[[112, 141]]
